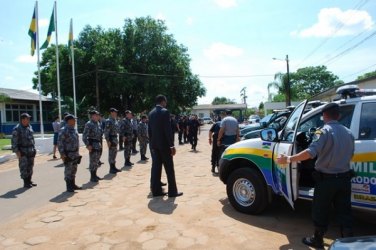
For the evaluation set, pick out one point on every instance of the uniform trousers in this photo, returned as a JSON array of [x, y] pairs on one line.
[[94, 157], [26, 165], [332, 191], [70, 170]]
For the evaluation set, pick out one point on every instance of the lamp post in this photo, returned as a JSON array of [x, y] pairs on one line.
[[287, 84]]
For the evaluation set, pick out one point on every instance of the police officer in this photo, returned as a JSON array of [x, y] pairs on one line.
[[24, 146], [111, 135], [68, 145], [213, 137], [135, 128], [334, 147], [92, 137], [126, 130], [143, 137], [181, 126]]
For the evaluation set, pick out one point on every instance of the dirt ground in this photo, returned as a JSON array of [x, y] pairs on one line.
[[119, 213]]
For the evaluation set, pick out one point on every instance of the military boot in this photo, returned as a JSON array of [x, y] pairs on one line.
[[113, 169], [316, 241], [75, 187], [93, 177], [32, 183], [129, 161], [27, 183], [144, 158], [96, 176], [70, 188]]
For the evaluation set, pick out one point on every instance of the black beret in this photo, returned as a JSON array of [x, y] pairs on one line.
[[25, 115], [94, 112], [69, 117], [330, 106], [114, 110]]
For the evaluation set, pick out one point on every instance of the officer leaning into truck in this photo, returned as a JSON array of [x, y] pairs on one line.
[[334, 147]]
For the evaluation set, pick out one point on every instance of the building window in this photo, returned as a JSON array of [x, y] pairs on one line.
[[13, 111]]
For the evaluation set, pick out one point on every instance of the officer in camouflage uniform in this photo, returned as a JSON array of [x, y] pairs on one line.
[[111, 135], [92, 137], [143, 138], [127, 131], [24, 146], [68, 145]]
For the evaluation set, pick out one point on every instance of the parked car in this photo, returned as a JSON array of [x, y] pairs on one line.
[[207, 120], [254, 119], [248, 168]]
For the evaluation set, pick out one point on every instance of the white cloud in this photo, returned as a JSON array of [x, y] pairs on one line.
[[226, 3], [160, 16], [26, 59], [220, 50], [189, 21], [331, 19], [43, 22]]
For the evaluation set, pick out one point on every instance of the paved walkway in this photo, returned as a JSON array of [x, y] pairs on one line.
[[119, 213]]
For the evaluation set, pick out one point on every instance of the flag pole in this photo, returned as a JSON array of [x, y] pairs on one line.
[[57, 62], [73, 70], [39, 80]]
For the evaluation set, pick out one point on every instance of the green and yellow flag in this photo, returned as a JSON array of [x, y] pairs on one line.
[[51, 28], [33, 33], [70, 41]]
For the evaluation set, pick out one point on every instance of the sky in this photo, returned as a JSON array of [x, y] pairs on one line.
[[231, 43]]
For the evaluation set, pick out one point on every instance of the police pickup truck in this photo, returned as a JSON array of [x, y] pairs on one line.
[[250, 172]]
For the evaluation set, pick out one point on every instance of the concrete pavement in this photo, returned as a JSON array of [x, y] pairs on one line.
[[119, 213]]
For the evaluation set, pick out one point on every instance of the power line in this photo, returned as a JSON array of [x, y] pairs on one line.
[[234, 76], [338, 27], [373, 65], [330, 60]]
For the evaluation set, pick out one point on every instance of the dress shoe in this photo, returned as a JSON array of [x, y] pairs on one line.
[[159, 194], [176, 194]]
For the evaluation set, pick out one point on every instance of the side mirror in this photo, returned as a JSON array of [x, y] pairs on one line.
[[263, 124], [269, 134]]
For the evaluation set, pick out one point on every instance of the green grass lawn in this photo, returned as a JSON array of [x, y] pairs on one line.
[[4, 142]]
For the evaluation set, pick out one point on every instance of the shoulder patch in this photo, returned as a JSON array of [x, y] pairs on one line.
[[317, 135]]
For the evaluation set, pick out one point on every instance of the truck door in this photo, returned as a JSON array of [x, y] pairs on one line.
[[287, 174]]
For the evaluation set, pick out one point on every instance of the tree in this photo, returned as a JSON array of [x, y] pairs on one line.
[[309, 81], [261, 106], [366, 75], [131, 66], [222, 100], [304, 83]]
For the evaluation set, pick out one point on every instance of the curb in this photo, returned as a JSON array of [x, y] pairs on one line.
[[7, 157]]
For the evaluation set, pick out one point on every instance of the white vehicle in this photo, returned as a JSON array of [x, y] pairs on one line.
[[254, 119], [251, 174], [207, 120]]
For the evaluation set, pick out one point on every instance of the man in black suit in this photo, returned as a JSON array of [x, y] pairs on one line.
[[162, 148]]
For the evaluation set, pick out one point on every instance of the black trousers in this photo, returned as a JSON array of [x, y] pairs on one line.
[[134, 140], [162, 157], [336, 192], [215, 154], [185, 136], [193, 138], [180, 135]]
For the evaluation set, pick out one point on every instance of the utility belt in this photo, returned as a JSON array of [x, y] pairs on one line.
[[76, 160], [318, 176], [29, 152], [91, 141]]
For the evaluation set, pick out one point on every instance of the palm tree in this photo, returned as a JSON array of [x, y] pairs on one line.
[[279, 83]]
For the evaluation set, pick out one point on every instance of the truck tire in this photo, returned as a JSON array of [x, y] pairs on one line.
[[247, 191]]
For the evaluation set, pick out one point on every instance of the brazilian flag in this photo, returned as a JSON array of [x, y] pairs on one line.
[[33, 33], [51, 28]]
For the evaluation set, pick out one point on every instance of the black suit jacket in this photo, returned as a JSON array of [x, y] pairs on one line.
[[159, 129]]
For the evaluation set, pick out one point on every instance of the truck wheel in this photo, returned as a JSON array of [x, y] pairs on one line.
[[246, 191]]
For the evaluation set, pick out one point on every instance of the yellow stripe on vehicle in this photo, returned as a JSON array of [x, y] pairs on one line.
[[249, 151], [364, 157]]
